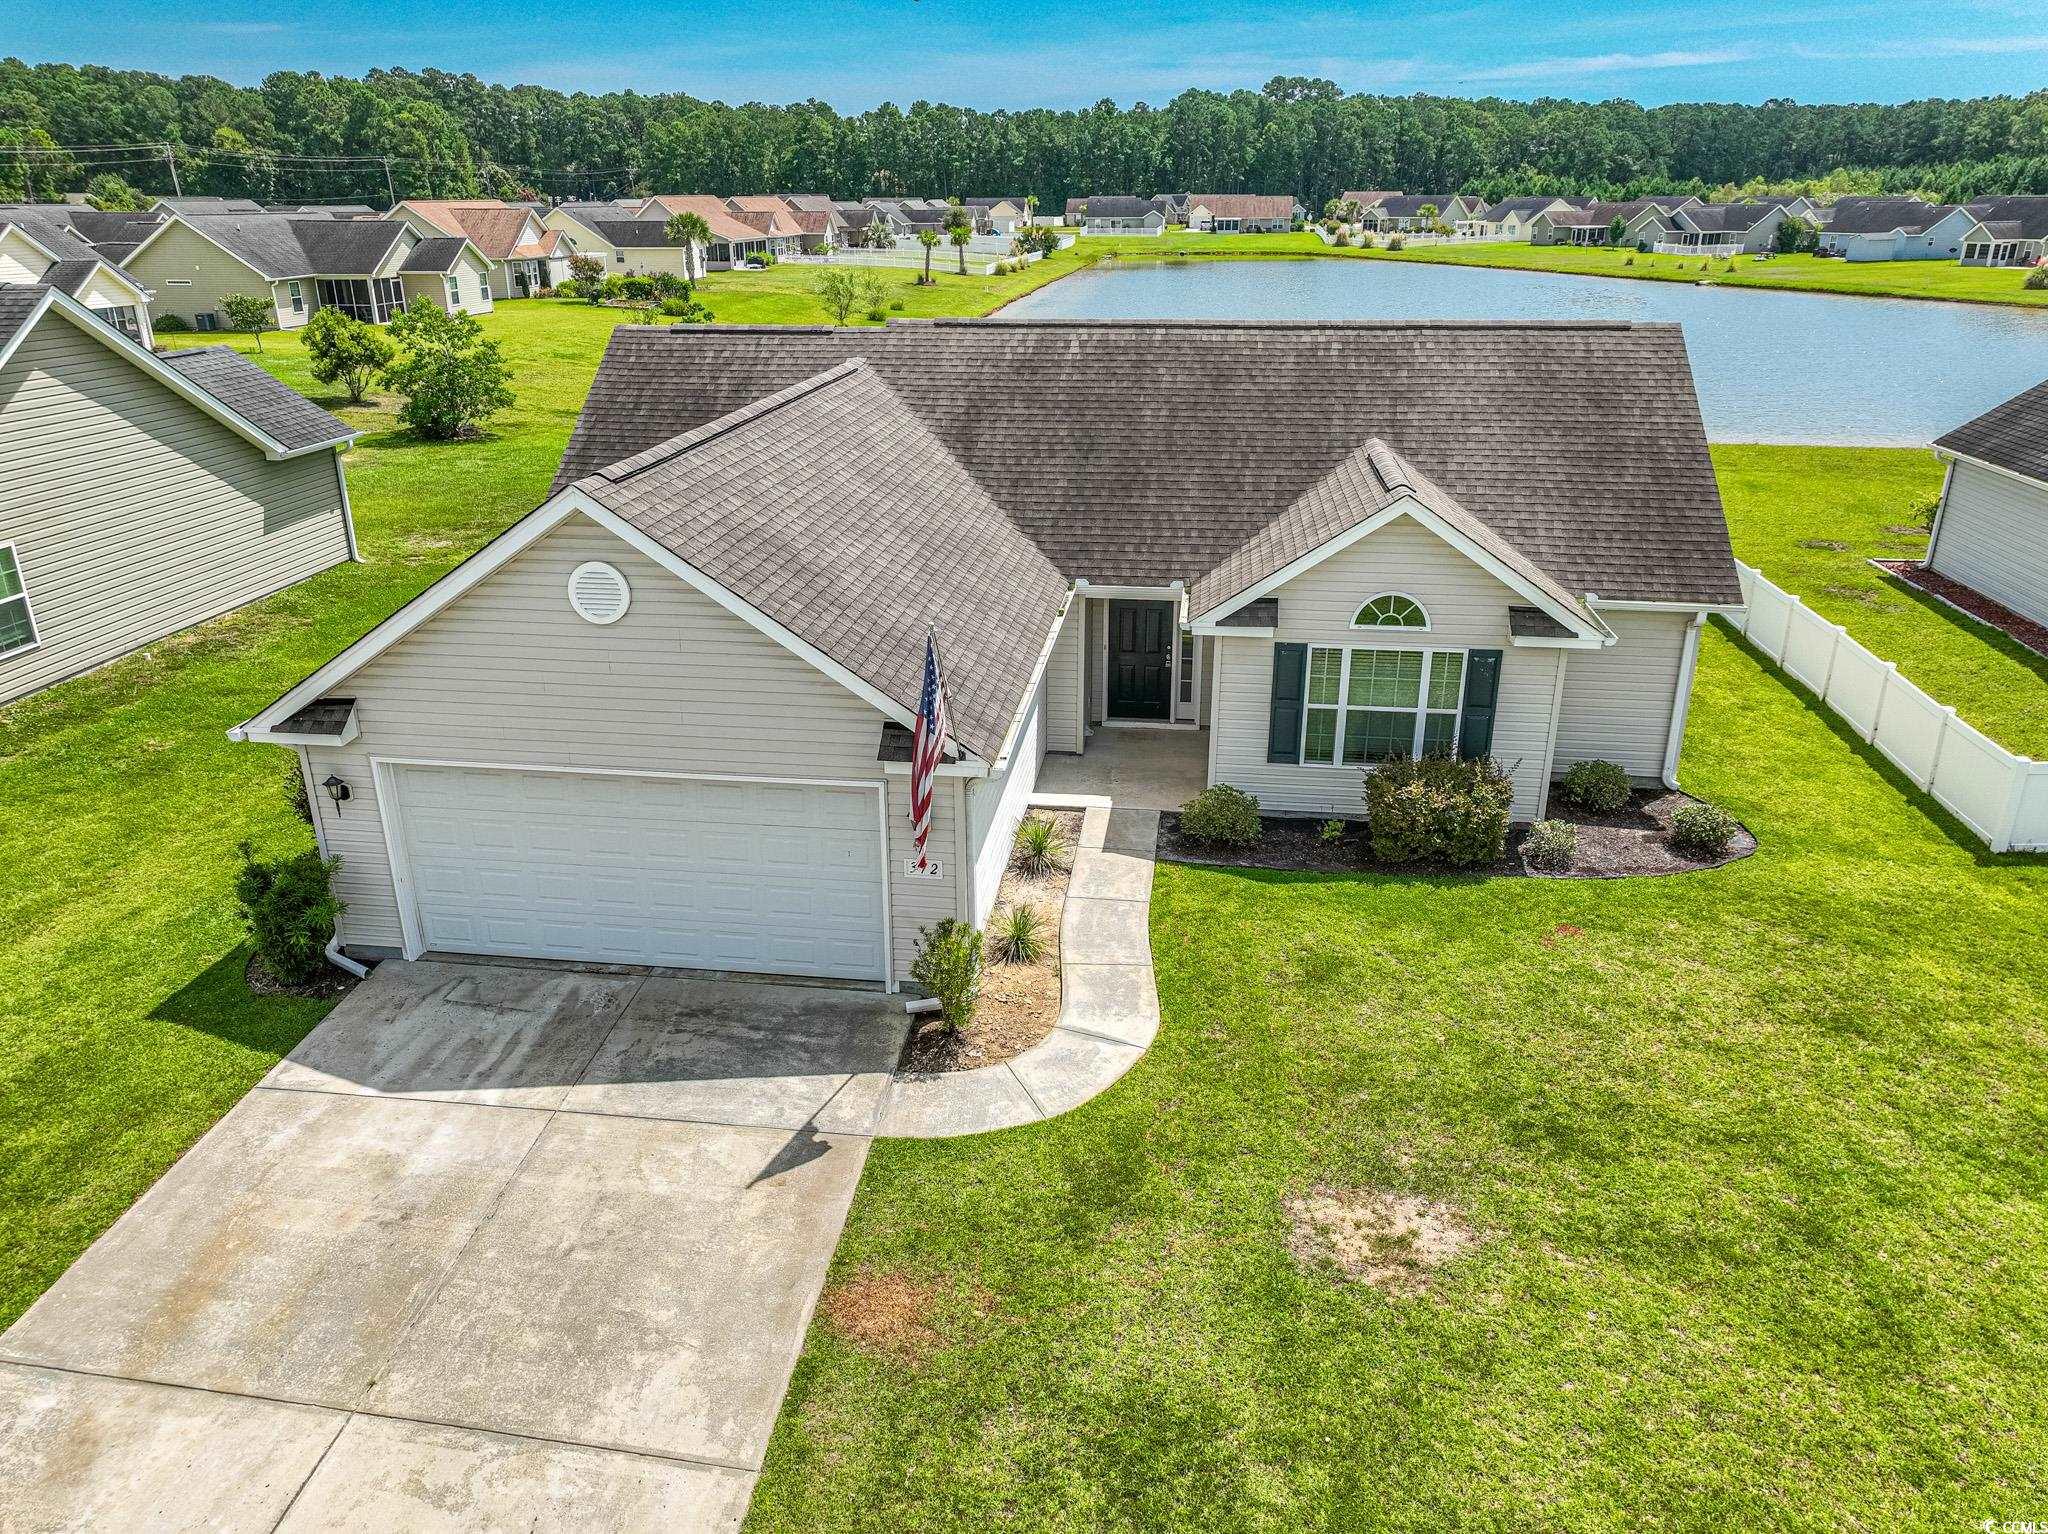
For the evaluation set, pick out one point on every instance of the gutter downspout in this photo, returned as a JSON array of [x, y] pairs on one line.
[[1688, 662], [341, 960]]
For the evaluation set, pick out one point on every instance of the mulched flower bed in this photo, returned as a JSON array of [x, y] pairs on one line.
[[1020, 1003], [325, 986], [2015, 625], [1630, 843]]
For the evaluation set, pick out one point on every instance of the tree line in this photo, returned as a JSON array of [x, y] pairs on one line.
[[315, 138]]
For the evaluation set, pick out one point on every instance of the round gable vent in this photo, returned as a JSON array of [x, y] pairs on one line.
[[599, 593]]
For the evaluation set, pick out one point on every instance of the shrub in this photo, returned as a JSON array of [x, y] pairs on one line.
[[1395, 242], [289, 907], [168, 324], [1600, 788], [1438, 810], [948, 967], [898, 305], [878, 314], [839, 291], [252, 312], [346, 351], [1702, 830], [1551, 845], [1040, 847], [1368, 241], [1330, 832], [587, 274], [1226, 816], [636, 287], [2038, 278], [686, 309], [451, 378], [1017, 935]]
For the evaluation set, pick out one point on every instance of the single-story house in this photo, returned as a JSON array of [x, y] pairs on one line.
[[1991, 528], [824, 221], [736, 238], [772, 217], [49, 253], [141, 493], [1406, 212], [1242, 213], [2010, 231], [1644, 220], [1070, 215], [1365, 202], [1001, 215], [637, 247], [1122, 215], [524, 255], [1896, 229], [359, 266], [1723, 227], [651, 724], [1509, 218]]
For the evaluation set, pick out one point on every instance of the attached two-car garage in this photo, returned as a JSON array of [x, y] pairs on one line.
[[761, 875]]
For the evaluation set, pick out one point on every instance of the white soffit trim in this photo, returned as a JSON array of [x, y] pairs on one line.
[[1406, 506], [1992, 468]]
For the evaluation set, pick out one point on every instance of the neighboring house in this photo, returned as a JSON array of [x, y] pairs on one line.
[[774, 218], [2009, 231], [1405, 212], [664, 718], [824, 221], [143, 493], [1509, 219], [301, 265], [206, 205], [1748, 227], [1895, 229], [522, 254], [1644, 221], [1122, 215], [448, 273], [1070, 215], [50, 254], [1991, 529], [736, 238], [814, 227], [1366, 201], [1000, 215], [638, 247], [1241, 213]]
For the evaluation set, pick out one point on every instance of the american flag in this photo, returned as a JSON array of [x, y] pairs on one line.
[[928, 740]]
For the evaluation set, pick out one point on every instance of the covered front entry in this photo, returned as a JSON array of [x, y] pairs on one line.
[[751, 875], [1141, 639]]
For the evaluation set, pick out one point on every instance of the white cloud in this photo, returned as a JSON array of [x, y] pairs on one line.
[[1607, 64]]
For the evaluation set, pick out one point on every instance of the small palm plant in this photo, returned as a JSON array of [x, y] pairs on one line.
[[927, 238], [1040, 847], [1016, 935]]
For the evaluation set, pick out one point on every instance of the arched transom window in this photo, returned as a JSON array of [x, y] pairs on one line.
[[1391, 610]]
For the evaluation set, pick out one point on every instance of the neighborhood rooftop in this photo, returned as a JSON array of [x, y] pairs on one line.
[[2012, 436]]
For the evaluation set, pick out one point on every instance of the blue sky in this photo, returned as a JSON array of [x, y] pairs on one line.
[[1012, 53]]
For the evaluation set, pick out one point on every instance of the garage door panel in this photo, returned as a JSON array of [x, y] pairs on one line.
[[703, 874]]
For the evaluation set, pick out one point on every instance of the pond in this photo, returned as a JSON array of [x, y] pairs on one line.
[[1769, 366]]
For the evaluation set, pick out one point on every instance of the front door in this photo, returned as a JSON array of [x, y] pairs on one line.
[[1140, 659]]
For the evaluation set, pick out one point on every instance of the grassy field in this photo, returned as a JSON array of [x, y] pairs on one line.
[[1755, 1159], [1812, 519], [1758, 1153]]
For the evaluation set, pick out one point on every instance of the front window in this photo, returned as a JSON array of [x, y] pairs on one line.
[[1391, 610], [454, 291], [17, 623], [1367, 706], [298, 297], [124, 318]]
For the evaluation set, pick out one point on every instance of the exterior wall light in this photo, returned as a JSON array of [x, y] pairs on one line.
[[337, 790]]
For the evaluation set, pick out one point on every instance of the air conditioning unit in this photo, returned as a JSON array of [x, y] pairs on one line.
[[207, 321]]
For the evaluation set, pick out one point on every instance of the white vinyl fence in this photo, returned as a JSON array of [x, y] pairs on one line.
[[2000, 796]]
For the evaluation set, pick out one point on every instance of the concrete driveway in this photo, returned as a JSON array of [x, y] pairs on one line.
[[496, 1246]]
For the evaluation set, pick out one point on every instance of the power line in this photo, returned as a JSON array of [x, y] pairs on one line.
[[126, 153]]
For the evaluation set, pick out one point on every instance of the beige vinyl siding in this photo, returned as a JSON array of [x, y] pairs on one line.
[[191, 274], [509, 674], [134, 513], [1063, 726], [1097, 659], [431, 288], [996, 804], [1994, 538], [1618, 701], [1468, 610]]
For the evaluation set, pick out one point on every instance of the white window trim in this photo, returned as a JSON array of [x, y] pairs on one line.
[[1391, 628], [1342, 706], [35, 631]]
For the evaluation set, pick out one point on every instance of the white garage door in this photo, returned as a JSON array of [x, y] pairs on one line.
[[782, 879]]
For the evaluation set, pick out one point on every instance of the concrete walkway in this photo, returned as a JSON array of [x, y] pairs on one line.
[[1109, 1006], [496, 1247]]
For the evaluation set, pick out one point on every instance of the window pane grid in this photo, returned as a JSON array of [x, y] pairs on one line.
[[10, 575], [1364, 706], [15, 628]]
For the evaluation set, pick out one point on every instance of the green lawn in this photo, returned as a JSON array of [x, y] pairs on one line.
[[1759, 1157], [1812, 519], [1760, 1150]]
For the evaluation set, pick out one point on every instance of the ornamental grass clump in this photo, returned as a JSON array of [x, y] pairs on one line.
[[1223, 816], [1438, 811], [1551, 845], [1600, 788], [1016, 935], [948, 969], [1702, 830], [1040, 847]]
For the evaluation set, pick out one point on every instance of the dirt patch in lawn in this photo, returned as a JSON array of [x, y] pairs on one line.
[[1020, 1003], [329, 984], [889, 1314], [1395, 1242], [1630, 843], [2014, 625]]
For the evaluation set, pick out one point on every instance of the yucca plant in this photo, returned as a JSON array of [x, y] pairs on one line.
[[1017, 935], [1040, 847]]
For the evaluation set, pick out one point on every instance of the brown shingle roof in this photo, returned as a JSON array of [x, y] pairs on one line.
[[2013, 436], [1243, 205], [832, 507], [1579, 444]]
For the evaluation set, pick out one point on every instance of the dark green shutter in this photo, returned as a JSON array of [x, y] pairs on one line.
[[1283, 726], [1482, 693]]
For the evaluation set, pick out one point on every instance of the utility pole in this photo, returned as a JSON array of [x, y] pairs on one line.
[[171, 159], [388, 192]]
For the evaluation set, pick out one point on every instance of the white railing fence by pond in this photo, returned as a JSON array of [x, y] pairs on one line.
[[2001, 796]]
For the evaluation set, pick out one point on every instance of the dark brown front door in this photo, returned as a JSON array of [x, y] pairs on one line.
[[1140, 659]]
